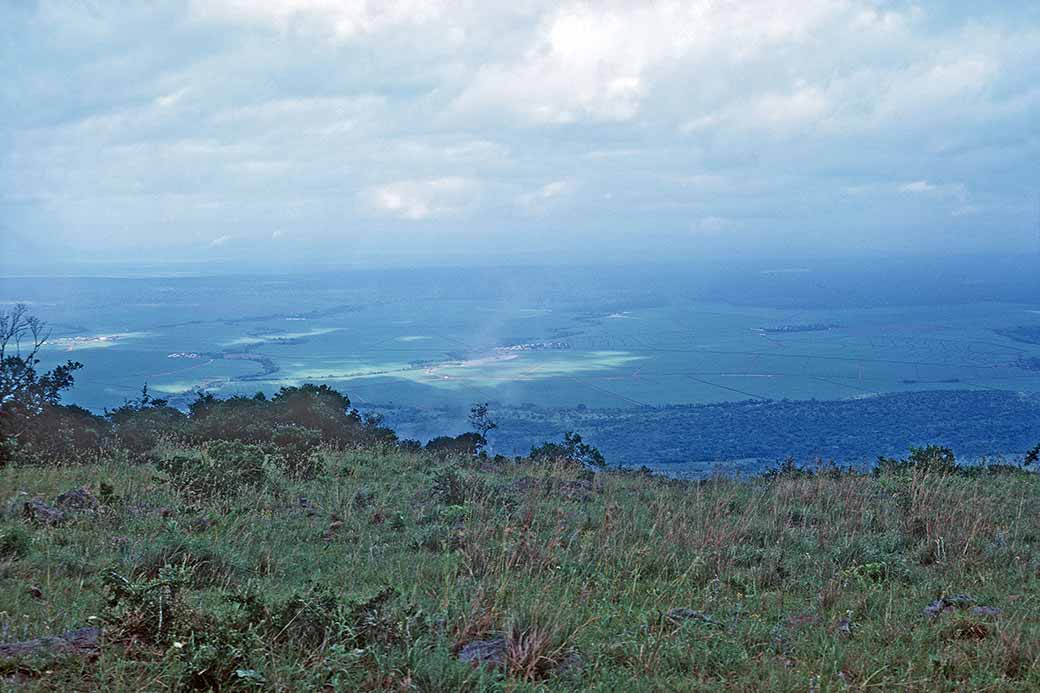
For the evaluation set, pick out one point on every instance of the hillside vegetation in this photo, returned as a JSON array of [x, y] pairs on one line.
[[209, 567], [290, 543]]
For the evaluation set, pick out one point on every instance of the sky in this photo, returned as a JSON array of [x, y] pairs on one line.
[[430, 131]]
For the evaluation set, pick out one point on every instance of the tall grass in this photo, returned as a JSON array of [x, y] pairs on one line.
[[603, 582]]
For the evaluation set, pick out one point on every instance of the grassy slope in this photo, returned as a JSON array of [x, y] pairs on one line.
[[586, 567]]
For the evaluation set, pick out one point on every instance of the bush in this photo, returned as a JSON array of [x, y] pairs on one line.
[[295, 451], [573, 450], [465, 445], [205, 565], [931, 458], [61, 434], [14, 543], [224, 469], [145, 609], [140, 424]]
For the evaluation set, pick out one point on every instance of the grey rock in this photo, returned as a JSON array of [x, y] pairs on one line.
[[38, 510], [951, 601], [77, 500], [85, 641], [484, 653], [986, 611]]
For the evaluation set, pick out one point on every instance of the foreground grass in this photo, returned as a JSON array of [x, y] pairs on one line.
[[794, 583]]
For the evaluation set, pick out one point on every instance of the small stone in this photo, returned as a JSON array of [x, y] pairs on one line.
[[934, 609], [986, 611], [37, 510], [951, 601], [484, 653], [78, 500]]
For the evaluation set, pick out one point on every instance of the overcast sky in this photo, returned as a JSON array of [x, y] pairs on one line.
[[421, 130]]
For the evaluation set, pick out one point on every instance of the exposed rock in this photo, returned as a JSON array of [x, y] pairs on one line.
[[37, 510], [78, 500], [986, 611], [85, 641], [479, 653], [951, 601]]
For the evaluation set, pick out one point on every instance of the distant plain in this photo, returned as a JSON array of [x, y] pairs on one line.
[[622, 338]]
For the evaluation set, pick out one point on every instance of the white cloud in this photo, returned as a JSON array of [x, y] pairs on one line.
[[338, 19], [246, 118], [171, 99], [541, 200], [418, 200], [917, 186], [220, 240], [923, 187], [601, 62]]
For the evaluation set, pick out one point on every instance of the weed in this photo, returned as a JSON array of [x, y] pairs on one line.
[[15, 543]]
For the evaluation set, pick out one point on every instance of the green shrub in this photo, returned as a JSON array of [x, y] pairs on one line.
[[295, 451], [451, 488], [931, 458], [572, 450], [205, 565], [224, 470], [145, 609], [14, 543]]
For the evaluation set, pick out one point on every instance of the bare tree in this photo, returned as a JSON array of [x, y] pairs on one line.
[[17, 370], [24, 393]]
